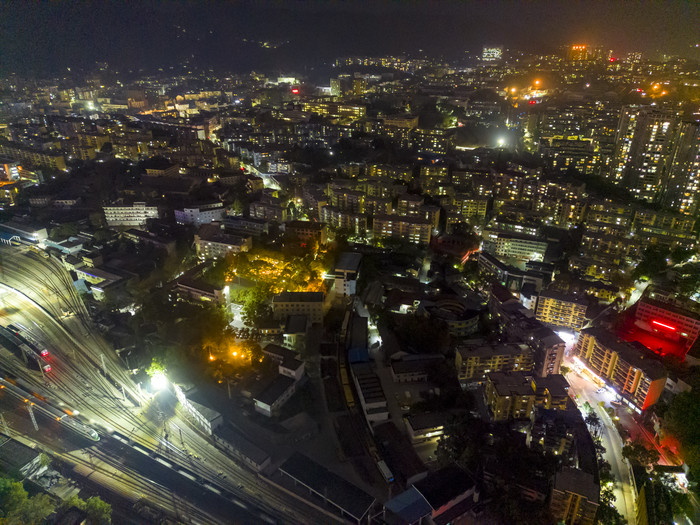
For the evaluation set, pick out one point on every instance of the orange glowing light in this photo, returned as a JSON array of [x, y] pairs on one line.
[[537, 82], [211, 357]]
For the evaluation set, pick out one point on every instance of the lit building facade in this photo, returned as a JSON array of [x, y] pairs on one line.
[[412, 229], [561, 310], [630, 368]]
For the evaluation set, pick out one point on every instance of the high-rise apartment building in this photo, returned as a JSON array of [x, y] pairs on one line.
[[682, 192], [643, 150]]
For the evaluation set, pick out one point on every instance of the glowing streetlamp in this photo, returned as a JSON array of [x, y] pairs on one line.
[[159, 381]]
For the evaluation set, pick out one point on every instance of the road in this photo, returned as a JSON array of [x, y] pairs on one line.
[[80, 358], [585, 390]]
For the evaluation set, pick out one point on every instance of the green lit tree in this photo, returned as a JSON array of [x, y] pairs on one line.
[[98, 511], [17, 508]]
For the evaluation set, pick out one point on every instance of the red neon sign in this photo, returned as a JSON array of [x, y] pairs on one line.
[[295, 91], [663, 325]]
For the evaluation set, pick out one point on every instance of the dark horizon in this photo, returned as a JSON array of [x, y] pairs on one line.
[[46, 38]]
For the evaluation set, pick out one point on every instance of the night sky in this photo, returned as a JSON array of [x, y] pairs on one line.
[[45, 38]]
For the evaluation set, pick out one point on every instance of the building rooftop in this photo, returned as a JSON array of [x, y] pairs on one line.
[[349, 261], [274, 390], [14, 456], [556, 384], [428, 420], [500, 292], [511, 383], [296, 324], [411, 366], [410, 506], [577, 482], [370, 385], [284, 356], [486, 351], [298, 297], [564, 297], [240, 443], [343, 494], [444, 485], [671, 307], [411, 219], [311, 225], [398, 452]]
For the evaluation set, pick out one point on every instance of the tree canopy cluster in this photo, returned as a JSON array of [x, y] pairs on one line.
[[18, 508]]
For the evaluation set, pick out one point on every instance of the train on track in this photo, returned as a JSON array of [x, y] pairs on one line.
[[41, 405], [34, 356]]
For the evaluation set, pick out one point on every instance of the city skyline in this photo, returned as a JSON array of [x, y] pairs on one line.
[[342, 263], [46, 38]]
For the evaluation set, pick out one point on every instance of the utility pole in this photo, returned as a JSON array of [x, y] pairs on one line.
[[31, 415], [6, 428]]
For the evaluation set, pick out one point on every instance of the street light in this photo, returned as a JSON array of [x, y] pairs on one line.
[[159, 381]]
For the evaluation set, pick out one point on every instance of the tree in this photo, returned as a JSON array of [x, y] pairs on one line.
[[653, 262], [563, 370], [607, 513], [97, 220], [63, 231], [680, 419], [157, 368], [98, 511], [462, 442], [255, 307], [12, 496], [593, 422], [17, 508], [636, 452], [680, 254]]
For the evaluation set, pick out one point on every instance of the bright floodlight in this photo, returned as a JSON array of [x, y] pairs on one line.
[[501, 142], [159, 381]]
